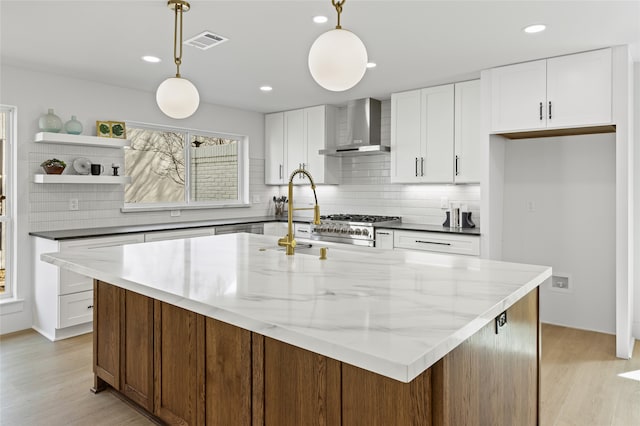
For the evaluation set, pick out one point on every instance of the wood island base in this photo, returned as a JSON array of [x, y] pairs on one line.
[[184, 368]]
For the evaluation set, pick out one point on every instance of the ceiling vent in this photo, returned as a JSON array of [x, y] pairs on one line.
[[205, 40]]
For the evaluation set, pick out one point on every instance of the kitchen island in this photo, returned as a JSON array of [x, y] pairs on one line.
[[229, 330]]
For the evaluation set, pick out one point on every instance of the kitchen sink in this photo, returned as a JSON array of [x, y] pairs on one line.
[[302, 248]]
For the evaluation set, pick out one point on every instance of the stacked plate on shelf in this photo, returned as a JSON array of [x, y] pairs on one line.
[[82, 166]]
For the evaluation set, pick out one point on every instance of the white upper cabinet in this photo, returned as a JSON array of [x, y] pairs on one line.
[[467, 132], [295, 141], [274, 149], [579, 89], [437, 131], [321, 132], [562, 92], [518, 96], [422, 135], [405, 136], [435, 134], [292, 141]]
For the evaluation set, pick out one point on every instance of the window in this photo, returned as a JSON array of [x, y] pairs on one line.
[[7, 132], [167, 172]]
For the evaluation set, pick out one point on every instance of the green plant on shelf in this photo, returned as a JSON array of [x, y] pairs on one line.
[[54, 162]]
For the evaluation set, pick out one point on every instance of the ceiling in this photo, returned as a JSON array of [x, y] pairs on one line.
[[414, 43]]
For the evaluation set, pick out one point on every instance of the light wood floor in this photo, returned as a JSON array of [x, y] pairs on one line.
[[44, 383]]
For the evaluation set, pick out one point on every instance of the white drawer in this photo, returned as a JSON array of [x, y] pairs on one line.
[[70, 282], [437, 242], [75, 309]]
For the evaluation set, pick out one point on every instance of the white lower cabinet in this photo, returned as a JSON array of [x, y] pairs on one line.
[[441, 242], [384, 239], [63, 300], [178, 233], [74, 309], [275, 229]]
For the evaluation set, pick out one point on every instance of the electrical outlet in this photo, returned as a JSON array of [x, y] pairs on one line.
[[444, 202], [560, 282], [256, 199], [531, 206], [501, 321], [175, 213], [73, 204]]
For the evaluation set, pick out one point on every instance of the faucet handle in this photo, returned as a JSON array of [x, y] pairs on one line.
[[316, 215]]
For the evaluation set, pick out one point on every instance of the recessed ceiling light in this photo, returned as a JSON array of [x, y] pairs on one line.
[[534, 28], [266, 88], [152, 59], [320, 19], [371, 65]]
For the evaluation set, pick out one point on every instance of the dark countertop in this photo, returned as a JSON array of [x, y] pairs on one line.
[[69, 234], [432, 228]]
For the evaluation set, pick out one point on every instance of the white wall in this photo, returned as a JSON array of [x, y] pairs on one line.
[[33, 92], [559, 210], [636, 132]]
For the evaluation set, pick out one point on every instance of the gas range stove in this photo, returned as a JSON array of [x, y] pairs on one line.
[[350, 228]]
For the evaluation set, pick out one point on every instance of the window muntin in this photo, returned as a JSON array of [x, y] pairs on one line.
[[209, 171]]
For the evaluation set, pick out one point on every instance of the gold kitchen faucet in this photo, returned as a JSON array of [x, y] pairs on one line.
[[288, 241]]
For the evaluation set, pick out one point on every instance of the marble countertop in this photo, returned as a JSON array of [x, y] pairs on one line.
[[394, 313]]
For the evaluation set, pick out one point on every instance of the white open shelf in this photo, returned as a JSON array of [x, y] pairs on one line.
[[84, 140], [109, 180]]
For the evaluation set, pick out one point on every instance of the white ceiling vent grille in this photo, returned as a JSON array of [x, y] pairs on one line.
[[205, 40]]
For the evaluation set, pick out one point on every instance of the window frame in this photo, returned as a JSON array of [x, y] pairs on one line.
[[10, 214], [243, 172]]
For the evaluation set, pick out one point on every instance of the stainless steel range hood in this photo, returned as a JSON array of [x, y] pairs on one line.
[[363, 130]]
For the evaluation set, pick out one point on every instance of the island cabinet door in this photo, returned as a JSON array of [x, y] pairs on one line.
[[372, 399], [293, 386], [228, 374], [492, 378], [106, 338], [136, 350], [179, 365]]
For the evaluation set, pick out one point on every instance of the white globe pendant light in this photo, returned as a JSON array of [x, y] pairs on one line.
[[338, 58], [177, 97]]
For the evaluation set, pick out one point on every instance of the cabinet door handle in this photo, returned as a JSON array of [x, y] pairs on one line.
[[383, 233], [540, 111], [421, 166], [90, 307], [433, 242], [281, 171], [416, 166], [549, 110], [457, 158]]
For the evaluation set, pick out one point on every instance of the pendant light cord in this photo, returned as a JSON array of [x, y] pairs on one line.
[[177, 57], [338, 5]]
